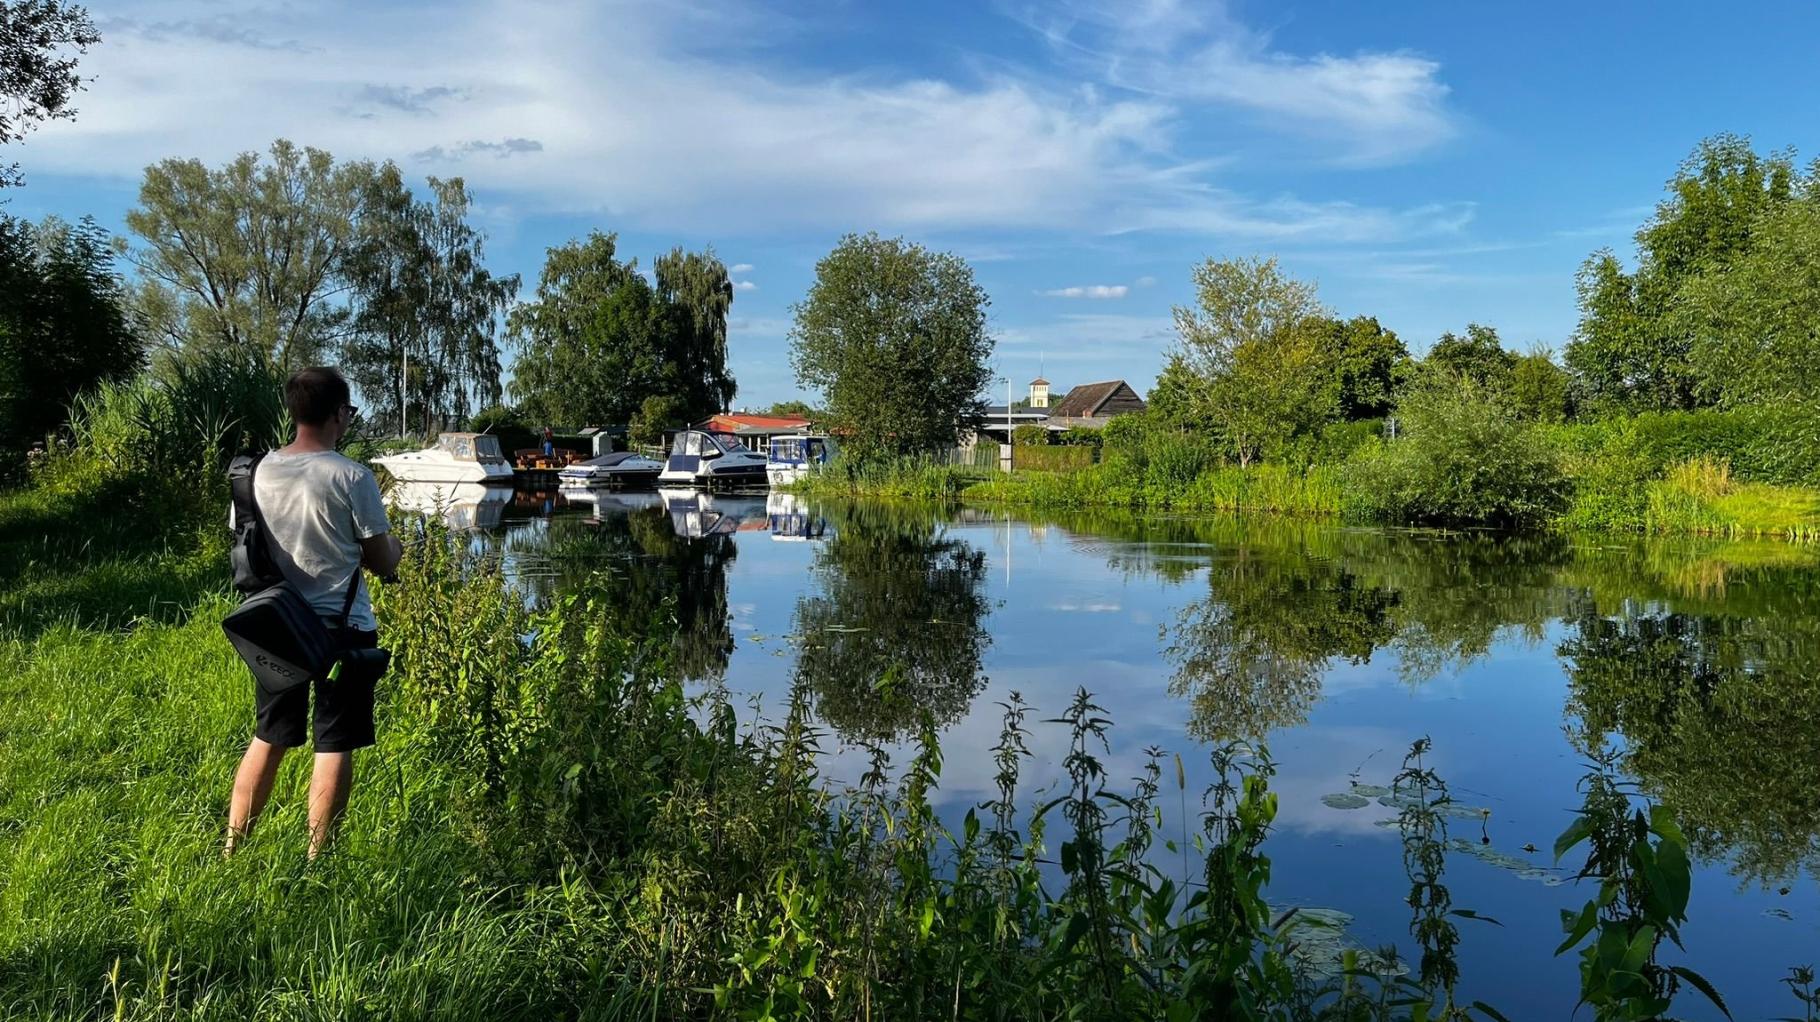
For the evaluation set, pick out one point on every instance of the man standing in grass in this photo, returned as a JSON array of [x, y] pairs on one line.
[[325, 520]]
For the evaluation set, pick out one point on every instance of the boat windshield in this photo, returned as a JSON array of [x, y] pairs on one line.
[[469, 447], [727, 443]]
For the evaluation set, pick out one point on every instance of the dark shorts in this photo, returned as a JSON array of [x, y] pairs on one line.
[[344, 708]]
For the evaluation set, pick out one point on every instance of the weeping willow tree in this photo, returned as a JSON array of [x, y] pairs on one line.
[[422, 341]]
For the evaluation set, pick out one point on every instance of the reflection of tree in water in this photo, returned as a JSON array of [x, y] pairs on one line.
[[895, 626], [637, 564], [1249, 656], [1719, 717]]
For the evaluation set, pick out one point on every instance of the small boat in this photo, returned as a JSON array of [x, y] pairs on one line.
[[792, 457], [621, 469], [456, 458], [713, 461], [603, 500]]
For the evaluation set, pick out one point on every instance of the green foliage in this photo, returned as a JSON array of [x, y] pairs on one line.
[[38, 76], [1462, 457], [1539, 389], [1632, 350], [801, 409], [421, 295], [246, 258], [893, 336], [658, 413], [598, 339], [514, 431], [179, 424], [1053, 458], [1477, 356], [1368, 364], [1030, 435], [1640, 861], [1254, 357], [62, 328]]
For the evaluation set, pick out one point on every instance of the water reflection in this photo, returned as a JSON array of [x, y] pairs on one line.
[[1716, 713], [461, 506], [891, 627]]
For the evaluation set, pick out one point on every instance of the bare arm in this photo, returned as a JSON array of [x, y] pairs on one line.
[[380, 554]]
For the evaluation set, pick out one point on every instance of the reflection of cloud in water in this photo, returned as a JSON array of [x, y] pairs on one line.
[[1086, 608]]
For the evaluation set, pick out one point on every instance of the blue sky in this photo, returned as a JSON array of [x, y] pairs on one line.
[[1430, 164]]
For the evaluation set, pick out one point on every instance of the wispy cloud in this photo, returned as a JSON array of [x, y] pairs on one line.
[[1370, 106], [634, 116], [1087, 291], [744, 285], [740, 268]]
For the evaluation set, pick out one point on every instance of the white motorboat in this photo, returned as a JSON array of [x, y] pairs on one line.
[[793, 457], [621, 469], [456, 458], [460, 505], [712, 461]]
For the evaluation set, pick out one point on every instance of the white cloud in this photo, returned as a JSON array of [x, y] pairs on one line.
[[1370, 107], [1146, 281], [623, 111], [740, 268], [744, 285], [1087, 291]]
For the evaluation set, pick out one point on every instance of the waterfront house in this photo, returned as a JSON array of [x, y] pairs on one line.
[[755, 431]]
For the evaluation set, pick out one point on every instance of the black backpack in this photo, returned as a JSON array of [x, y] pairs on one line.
[[275, 630]]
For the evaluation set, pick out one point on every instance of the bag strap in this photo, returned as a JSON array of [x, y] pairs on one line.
[[265, 535]]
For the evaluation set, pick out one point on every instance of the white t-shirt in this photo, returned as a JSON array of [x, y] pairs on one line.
[[318, 507]]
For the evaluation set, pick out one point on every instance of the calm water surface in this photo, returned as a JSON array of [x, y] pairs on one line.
[[1698, 663]]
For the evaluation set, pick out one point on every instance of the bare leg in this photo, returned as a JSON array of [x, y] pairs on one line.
[[252, 787], [330, 781]]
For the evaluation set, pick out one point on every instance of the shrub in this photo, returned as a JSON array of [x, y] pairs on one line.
[[1030, 435], [508, 424], [1465, 459]]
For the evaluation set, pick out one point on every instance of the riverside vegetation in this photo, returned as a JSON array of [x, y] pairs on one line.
[[555, 828]]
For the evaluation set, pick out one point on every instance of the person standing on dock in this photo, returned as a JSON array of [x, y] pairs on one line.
[[324, 520], [549, 443]]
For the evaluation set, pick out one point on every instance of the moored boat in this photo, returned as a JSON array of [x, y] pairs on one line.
[[621, 469], [711, 461], [456, 458], [792, 457]]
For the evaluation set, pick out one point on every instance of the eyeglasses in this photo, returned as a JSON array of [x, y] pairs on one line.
[[352, 410]]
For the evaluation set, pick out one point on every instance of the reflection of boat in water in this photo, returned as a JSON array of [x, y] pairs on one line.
[[620, 468], [609, 501], [456, 458], [694, 514], [712, 461], [792, 457], [791, 518], [460, 505]]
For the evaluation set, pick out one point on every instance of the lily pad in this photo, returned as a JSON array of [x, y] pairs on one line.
[[1344, 800], [1370, 790]]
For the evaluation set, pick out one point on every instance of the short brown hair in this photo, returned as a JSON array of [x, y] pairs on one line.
[[315, 395]]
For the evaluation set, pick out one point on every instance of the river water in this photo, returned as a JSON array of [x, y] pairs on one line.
[[1696, 664]]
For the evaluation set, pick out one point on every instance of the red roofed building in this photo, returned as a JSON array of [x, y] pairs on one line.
[[755, 431]]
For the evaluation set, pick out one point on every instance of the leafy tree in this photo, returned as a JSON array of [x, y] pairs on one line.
[[425, 308], [800, 409], [37, 72], [1251, 356], [894, 338], [696, 284], [599, 339], [249, 256], [1539, 389], [1754, 326], [1477, 356], [658, 413], [62, 326], [1630, 350], [1367, 361]]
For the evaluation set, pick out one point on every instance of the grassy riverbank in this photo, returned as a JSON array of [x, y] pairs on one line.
[[1715, 473]]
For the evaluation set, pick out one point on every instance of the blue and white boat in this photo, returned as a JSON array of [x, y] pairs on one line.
[[793, 457], [714, 461], [620, 468]]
